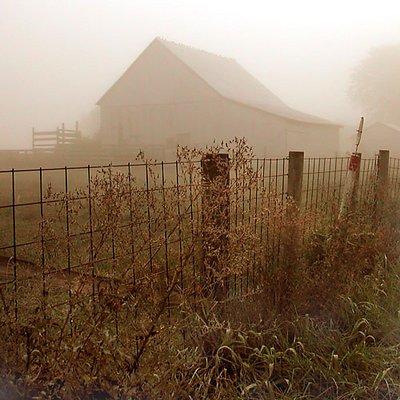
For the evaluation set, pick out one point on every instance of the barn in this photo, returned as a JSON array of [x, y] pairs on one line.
[[174, 93], [380, 136]]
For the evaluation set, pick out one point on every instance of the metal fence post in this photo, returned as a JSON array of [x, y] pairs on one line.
[[351, 185], [215, 223], [382, 181]]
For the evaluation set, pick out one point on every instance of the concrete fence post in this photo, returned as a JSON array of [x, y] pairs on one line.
[[382, 180], [215, 223]]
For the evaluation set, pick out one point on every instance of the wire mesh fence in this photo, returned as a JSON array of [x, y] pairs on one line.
[[126, 238]]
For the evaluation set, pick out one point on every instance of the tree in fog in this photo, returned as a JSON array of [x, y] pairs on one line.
[[375, 84]]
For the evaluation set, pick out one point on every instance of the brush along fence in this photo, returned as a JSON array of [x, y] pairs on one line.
[[128, 242]]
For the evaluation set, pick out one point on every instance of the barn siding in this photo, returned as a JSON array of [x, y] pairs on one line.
[[218, 120], [380, 137]]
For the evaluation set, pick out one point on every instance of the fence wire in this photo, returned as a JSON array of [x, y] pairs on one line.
[[77, 236]]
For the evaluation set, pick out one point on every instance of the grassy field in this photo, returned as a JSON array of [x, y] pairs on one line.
[[332, 333], [116, 299]]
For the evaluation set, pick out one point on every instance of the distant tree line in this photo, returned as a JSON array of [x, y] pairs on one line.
[[375, 84]]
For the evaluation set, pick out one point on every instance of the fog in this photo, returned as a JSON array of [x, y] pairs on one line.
[[57, 58]]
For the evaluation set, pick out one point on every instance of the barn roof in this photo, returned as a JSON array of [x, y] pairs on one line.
[[228, 78], [386, 124]]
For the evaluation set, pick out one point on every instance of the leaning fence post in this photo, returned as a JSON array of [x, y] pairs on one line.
[[351, 185], [294, 193], [382, 180], [215, 223]]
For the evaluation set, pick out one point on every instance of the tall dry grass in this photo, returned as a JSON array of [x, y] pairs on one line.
[[299, 307]]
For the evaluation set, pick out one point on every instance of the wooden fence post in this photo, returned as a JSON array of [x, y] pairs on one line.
[[295, 176], [215, 223], [63, 134], [382, 181], [294, 193]]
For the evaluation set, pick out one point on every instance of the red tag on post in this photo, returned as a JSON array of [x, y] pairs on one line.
[[354, 164]]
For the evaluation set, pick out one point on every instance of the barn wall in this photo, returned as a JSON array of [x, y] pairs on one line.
[[380, 137], [203, 122], [315, 140], [274, 136]]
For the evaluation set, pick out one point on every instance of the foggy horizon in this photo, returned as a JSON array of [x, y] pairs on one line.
[[58, 59]]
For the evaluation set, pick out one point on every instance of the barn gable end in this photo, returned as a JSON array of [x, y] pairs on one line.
[[156, 77]]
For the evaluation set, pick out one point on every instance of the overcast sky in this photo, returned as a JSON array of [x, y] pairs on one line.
[[57, 57]]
